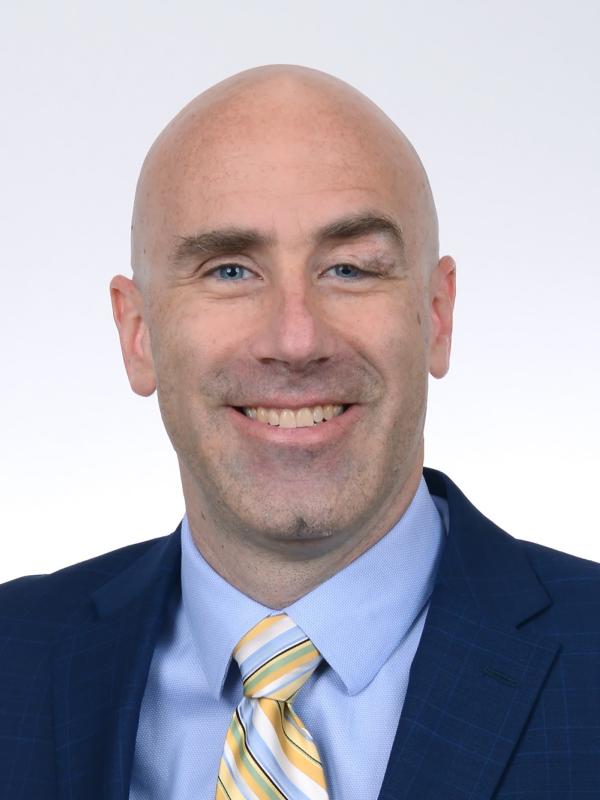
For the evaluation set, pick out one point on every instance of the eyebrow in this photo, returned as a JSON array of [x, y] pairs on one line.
[[219, 242], [363, 224], [229, 240]]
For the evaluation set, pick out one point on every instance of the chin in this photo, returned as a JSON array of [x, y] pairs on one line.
[[278, 525]]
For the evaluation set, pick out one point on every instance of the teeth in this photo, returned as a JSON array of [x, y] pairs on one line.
[[304, 418], [286, 418]]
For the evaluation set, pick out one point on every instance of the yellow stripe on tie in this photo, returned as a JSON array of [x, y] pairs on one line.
[[293, 727], [263, 625], [257, 780], [296, 751], [272, 755], [284, 664], [226, 788]]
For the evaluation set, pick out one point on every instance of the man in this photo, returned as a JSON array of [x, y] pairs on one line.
[[329, 620]]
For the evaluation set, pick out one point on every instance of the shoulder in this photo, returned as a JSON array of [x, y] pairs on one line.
[[568, 579], [543, 590], [558, 566], [53, 598]]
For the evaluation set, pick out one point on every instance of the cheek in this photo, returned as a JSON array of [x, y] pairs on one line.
[[197, 345], [175, 338], [191, 335], [394, 333]]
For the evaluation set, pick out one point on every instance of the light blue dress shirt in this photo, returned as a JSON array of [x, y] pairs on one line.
[[366, 620]]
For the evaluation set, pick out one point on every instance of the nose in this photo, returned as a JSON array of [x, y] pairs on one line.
[[294, 330]]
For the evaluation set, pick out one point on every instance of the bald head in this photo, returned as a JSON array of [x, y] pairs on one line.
[[288, 134], [285, 244]]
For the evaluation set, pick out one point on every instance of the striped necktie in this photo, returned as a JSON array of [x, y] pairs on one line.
[[268, 753]]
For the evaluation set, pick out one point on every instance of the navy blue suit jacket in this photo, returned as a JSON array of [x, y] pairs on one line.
[[503, 699]]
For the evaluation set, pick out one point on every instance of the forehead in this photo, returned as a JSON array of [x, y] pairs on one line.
[[289, 195], [289, 173]]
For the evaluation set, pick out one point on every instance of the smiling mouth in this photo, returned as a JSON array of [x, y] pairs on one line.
[[305, 417]]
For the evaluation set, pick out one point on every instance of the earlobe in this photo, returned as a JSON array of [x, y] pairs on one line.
[[441, 297], [128, 313]]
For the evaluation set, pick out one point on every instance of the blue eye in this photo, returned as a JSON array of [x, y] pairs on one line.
[[227, 272], [234, 273], [359, 273]]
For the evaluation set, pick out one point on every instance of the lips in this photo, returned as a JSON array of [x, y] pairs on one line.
[[317, 434], [303, 417]]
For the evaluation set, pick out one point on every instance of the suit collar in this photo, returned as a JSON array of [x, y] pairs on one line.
[[101, 669], [477, 672], [474, 679], [158, 564], [485, 564]]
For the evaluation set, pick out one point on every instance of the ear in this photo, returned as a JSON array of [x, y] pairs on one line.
[[128, 312], [442, 291]]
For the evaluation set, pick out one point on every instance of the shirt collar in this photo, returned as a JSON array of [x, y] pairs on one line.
[[379, 594]]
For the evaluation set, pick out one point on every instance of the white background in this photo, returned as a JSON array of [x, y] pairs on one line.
[[502, 102]]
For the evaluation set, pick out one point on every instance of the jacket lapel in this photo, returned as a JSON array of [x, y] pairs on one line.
[[473, 681], [101, 668], [475, 675]]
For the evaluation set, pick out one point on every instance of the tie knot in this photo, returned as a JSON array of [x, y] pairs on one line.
[[275, 658]]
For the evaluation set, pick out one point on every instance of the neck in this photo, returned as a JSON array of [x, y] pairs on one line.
[[278, 576]]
